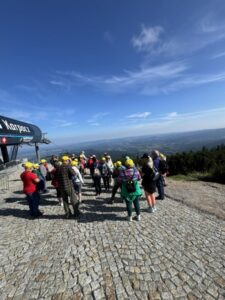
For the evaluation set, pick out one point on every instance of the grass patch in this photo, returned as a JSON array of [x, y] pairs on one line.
[[190, 177]]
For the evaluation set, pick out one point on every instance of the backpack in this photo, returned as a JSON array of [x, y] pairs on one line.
[[130, 185], [163, 167]]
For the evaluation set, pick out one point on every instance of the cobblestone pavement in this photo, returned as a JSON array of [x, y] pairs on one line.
[[176, 253]]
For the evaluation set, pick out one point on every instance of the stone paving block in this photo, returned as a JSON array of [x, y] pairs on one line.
[[102, 256]]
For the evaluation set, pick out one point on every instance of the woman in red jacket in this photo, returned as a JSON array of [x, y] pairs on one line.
[[30, 181]]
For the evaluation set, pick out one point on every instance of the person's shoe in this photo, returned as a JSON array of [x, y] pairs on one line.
[[111, 201], [139, 218], [159, 198], [150, 210], [130, 219], [77, 214], [68, 216], [45, 191]]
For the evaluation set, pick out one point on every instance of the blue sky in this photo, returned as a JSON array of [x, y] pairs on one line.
[[92, 69]]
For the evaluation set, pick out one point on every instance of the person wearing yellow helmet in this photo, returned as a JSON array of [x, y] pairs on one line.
[[36, 170], [130, 190], [77, 180], [30, 181], [118, 167], [65, 173], [43, 167]]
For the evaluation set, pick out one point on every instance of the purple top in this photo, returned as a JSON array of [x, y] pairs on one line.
[[131, 173]]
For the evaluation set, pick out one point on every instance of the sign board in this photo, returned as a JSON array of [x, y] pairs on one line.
[[17, 132]]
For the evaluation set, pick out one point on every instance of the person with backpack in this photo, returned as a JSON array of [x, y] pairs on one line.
[[105, 173], [96, 176], [40, 184], [148, 182], [43, 167], [163, 168], [118, 167], [65, 174], [130, 189], [157, 164], [77, 180]]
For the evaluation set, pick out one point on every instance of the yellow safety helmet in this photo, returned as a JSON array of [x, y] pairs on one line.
[[35, 166], [43, 161], [28, 165], [74, 163], [129, 163], [118, 163], [65, 158]]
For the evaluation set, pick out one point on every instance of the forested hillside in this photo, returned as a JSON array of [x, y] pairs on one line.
[[211, 163]]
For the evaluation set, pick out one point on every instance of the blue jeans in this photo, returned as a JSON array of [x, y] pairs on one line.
[[160, 187], [33, 200]]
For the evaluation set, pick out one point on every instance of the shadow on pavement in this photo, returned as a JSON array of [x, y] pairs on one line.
[[23, 201]]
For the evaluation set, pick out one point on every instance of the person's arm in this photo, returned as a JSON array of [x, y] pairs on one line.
[[35, 179], [79, 176], [121, 176], [138, 176], [71, 172]]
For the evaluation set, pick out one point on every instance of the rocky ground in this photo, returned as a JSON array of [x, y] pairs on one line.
[[176, 253]]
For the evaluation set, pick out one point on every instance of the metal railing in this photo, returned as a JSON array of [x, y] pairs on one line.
[[9, 164], [4, 182]]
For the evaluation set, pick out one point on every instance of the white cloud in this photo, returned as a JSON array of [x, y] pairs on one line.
[[62, 123], [139, 115], [148, 38], [218, 55], [95, 124], [161, 124], [211, 24], [95, 119], [149, 81], [172, 115], [57, 83], [132, 80]]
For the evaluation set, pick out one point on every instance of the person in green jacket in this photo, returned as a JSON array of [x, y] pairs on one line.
[[130, 190]]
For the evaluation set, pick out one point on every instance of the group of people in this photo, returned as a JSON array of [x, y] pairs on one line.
[[68, 173]]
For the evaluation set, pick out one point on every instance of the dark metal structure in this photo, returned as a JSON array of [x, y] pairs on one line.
[[15, 133]]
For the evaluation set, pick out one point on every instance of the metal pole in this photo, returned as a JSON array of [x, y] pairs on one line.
[[5, 154], [37, 152]]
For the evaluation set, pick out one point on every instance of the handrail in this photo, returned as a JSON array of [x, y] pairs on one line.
[[4, 182]]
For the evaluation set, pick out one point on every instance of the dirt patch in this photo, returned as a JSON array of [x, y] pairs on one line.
[[205, 196]]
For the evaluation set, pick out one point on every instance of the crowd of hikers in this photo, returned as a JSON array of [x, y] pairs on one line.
[[67, 175]]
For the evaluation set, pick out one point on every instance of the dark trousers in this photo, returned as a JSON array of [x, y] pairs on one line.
[[115, 189], [160, 187], [66, 193], [33, 200], [106, 182], [97, 184], [136, 206]]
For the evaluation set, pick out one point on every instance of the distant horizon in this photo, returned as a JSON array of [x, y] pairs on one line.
[[80, 144], [142, 135]]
